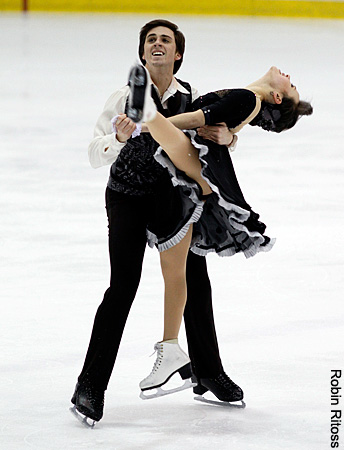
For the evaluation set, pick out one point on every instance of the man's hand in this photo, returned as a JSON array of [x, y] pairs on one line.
[[125, 128], [219, 133]]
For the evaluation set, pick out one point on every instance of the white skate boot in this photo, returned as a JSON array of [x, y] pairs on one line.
[[141, 106], [170, 359]]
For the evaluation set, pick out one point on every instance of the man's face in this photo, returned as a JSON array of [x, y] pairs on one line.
[[160, 48]]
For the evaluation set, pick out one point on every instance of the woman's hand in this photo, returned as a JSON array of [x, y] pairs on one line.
[[125, 128], [219, 133]]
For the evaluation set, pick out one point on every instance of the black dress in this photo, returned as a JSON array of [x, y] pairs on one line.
[[225, 222]]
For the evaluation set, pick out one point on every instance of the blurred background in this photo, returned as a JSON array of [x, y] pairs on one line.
[[285, 8]]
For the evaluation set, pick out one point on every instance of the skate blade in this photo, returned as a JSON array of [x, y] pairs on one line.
[[239, 404], [81, 418], [137, 83], [161, 392]]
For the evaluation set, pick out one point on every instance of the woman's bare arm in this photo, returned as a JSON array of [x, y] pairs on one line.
[[189, 120], [184, 121], [195, 119]]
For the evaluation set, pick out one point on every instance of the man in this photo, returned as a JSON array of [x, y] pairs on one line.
[[136, 180]]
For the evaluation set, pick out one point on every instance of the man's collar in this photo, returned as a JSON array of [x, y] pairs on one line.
[[176, 86], [172, 89]]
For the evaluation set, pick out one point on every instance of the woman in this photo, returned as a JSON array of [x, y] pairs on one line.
[[221, 220]]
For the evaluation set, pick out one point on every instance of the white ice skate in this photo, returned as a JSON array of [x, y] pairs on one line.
[[170, 360], [141, 106]]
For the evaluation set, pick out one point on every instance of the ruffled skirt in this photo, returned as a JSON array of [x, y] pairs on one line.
[[224, 223]]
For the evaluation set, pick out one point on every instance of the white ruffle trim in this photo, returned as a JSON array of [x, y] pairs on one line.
[[236, 217], [153, 240], [251, 251]]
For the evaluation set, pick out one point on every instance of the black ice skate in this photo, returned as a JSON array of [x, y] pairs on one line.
[[141, 106], [229, 393], [88, 404]]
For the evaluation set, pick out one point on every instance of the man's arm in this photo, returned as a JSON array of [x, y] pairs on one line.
[[106, 146]]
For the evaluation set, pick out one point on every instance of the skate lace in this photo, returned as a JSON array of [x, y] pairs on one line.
[[225, 381], [95, 396], [158, 348]]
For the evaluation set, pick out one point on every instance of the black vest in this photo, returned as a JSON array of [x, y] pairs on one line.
[[135, 171]]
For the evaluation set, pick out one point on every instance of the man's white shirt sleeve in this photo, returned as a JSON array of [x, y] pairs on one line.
[[104, 147]]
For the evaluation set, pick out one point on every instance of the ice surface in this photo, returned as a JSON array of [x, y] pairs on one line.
[[279, 315]]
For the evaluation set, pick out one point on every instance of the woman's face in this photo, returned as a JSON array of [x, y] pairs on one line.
[[281, 83]]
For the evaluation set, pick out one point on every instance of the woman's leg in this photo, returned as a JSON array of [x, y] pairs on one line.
[[179, 149], [173, 266], [170, 357]]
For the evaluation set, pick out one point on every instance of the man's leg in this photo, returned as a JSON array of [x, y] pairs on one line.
[[127, 240], [199, 320], [201, 335]]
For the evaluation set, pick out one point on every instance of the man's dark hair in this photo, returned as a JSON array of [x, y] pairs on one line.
[[178, 35]]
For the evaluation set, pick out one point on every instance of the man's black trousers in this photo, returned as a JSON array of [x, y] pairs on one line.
[[128, 217]]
